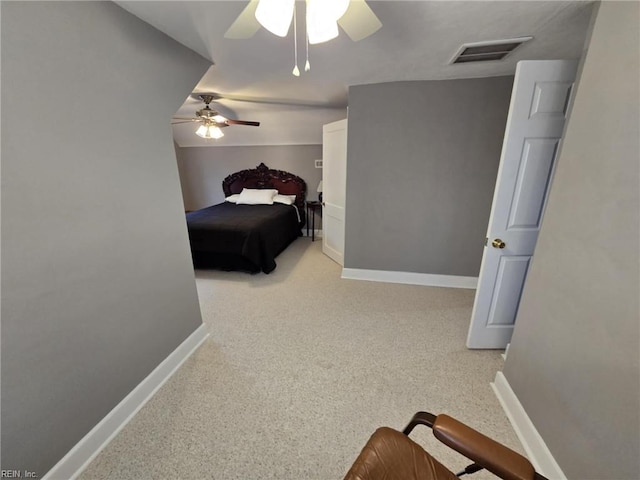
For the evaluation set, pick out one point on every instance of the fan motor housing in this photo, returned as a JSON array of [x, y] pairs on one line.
[[206, 112]]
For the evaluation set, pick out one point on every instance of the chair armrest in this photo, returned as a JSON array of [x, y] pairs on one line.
[[420, 418], [482, 450]]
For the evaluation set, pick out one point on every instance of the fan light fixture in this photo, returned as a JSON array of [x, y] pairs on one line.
[[211, 121], [321, 19], [275, 15], [210, 130], [321, 22]]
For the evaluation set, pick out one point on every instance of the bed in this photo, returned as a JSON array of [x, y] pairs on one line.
[[248, 237]]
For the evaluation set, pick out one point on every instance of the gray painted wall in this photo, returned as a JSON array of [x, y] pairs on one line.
[[422, 163], [574, 357], [97, 284], [202, 169]]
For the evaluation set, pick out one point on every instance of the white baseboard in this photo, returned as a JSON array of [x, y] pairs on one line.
[[506, 352], [79, 457], [533, 444], [318, 233], [411, 278]]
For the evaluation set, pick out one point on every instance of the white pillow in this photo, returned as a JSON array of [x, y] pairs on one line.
[[286, 199], [233, 198], [254, 196]]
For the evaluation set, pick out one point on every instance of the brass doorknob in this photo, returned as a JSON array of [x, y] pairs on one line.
[[497, 243]]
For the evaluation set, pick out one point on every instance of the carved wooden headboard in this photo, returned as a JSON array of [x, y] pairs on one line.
[[263, 177]]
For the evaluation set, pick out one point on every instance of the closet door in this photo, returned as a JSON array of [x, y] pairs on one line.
[[334, 181], [539, 103]]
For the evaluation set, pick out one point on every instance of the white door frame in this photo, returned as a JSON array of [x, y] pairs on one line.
[[334, 188]]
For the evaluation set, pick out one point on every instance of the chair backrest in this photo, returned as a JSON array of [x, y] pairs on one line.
[[391, 455]]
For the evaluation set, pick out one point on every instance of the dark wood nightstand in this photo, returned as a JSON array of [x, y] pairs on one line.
[[312, 207]]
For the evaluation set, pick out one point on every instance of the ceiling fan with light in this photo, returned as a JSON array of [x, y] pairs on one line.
[[354, 16], [212, 122], [322, 19]]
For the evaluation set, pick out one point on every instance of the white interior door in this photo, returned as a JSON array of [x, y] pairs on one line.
[[535, 123], [334, 185]]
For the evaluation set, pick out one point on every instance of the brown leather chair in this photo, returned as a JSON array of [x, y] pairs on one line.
[[391, 455]]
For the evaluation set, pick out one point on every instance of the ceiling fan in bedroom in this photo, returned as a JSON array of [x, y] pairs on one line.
[[211, 121], [322, 17], [321, 21]]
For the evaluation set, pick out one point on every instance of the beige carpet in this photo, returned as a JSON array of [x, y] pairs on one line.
[[300, 368]]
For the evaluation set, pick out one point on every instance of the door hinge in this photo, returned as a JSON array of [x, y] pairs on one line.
[[486, 241]]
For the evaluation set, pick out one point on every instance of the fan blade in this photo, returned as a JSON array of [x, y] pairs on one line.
[[246, 25], [242, 122], [359, 21], [182, 121], [183, 118]]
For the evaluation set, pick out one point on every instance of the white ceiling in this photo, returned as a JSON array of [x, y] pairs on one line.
[[416, 42]]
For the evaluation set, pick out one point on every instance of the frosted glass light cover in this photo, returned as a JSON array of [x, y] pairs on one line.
[[320, 32], [215, 132], [202, 131], [322, 18], [275, 15], [335, 8]]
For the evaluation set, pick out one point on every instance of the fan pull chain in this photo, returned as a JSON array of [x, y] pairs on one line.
[[296, 71], [307, 66]]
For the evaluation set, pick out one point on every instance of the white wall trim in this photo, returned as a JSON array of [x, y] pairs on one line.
[[411, 278], [533, 444], [318, 233], [506, 352], [79, 457], [249, 144]]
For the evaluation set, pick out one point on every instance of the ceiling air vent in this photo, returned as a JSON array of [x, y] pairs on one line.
[[484, 51]]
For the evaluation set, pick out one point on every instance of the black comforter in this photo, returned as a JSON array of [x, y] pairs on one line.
[[241, 237]]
